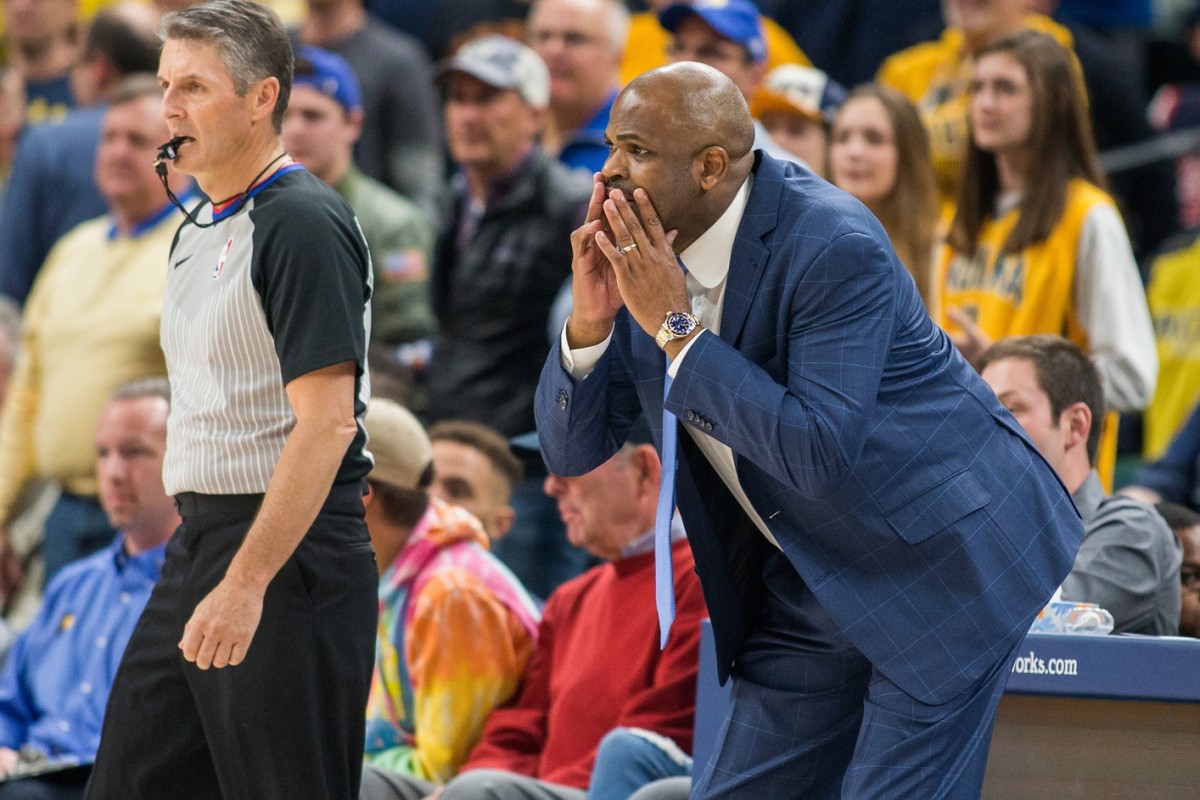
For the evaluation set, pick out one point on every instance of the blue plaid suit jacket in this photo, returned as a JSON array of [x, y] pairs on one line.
[[907, 498]]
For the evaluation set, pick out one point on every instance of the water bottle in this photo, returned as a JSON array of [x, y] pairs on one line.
[[1064, 616]]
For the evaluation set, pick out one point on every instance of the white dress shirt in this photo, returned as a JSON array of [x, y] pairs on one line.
[[707, 262]]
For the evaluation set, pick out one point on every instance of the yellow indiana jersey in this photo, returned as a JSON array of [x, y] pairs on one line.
[[1020, 294], [936, 77], [1017, 294], [646, 47], [1174, 298]]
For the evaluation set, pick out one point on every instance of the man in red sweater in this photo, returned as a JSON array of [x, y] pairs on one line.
[[597, 672]]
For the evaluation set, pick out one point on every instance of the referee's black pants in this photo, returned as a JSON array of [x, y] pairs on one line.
[[288, 722]]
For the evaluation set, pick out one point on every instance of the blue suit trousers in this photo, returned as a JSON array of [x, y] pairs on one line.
[[811, 718]]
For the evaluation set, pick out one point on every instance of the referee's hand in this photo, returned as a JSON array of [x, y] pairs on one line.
[[222, 626]]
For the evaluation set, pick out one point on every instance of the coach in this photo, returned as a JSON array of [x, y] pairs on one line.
[[873, 531]]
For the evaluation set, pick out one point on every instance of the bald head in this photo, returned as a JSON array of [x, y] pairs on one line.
[[683, 133], [709, 108]]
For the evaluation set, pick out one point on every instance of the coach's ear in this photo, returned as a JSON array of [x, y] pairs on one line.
[[710, 166]]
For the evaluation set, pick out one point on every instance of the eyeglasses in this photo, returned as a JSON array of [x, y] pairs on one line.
[[1190, 577]]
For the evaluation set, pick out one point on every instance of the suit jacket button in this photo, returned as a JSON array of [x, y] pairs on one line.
[[562, 399], [691, 415], [708, 427]]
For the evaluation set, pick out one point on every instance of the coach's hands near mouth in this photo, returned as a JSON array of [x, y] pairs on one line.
[[648, 275], [222, 626], [594, 292]]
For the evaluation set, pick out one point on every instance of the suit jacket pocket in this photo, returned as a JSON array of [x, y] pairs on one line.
[[938, 507]]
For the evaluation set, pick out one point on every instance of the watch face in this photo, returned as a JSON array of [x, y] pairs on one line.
[[680, 324]]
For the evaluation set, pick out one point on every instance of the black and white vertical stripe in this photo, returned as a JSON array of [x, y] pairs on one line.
[[230, 414]]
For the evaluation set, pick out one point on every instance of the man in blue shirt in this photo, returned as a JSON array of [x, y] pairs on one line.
[[582, 43], [55, 682]]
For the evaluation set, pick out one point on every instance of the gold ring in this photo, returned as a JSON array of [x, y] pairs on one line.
[[629, 247]]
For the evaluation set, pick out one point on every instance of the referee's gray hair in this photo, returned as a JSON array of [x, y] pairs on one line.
[[249, 37], [140, 388]]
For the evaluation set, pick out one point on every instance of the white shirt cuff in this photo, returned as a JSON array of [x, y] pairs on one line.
[[580, 363], [673, 368]]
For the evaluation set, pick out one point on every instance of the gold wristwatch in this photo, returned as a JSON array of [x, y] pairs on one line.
[[677, 325]]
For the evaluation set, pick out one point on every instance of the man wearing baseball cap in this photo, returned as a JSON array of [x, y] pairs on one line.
[[455, 627], [796, 105], [503, 252], [726, 35], [323, 120]]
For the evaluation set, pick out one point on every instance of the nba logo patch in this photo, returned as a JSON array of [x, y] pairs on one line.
[[220, 267]]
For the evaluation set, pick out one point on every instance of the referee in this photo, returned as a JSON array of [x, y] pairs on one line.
[[248, 673]]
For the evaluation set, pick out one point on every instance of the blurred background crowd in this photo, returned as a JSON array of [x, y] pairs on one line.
[[1035, 163]]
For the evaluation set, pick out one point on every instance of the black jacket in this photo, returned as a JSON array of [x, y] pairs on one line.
[[493, 297]]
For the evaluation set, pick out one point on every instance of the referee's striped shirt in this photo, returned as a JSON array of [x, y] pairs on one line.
[[276, 289]]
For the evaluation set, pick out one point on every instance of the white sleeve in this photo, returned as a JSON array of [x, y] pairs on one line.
[[579, 363], [1111, 303], [673, 367]]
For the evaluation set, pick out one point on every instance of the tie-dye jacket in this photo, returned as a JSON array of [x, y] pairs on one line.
[[466, 627]]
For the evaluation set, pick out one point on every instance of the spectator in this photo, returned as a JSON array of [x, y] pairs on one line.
[[12, 118], [1185, 524], [1115, 77], [474, 467], [438, 24], [400, 143], [21, 573], [649, 41], [1175, 477], [726, 35], [42, 42], [796, 105], [57, 677], [880, 154], [51, 188], [10, 339], [456, 628], [851, 38], [1037, 245], [1129, 560], [936, 76], [581, 42], [1176, 107], [1173, 295], [597, 667], [91, 323], [503, 253], [323, 120]]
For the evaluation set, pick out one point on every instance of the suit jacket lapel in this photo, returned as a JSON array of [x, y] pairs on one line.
[[750, 255]]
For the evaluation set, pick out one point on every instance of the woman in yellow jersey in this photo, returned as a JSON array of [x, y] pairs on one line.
[[879, 153], [1037, 245]]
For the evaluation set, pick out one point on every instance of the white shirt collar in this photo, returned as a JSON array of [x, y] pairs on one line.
[[707, 258]]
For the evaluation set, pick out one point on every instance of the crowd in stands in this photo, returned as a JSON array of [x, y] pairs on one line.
[[1045, 207]]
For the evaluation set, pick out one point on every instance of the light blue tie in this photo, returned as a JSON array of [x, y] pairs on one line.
[[664, 572], [664, 577]]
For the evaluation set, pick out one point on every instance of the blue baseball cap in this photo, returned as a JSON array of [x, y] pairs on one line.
[[329, 74], [736, 20]]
